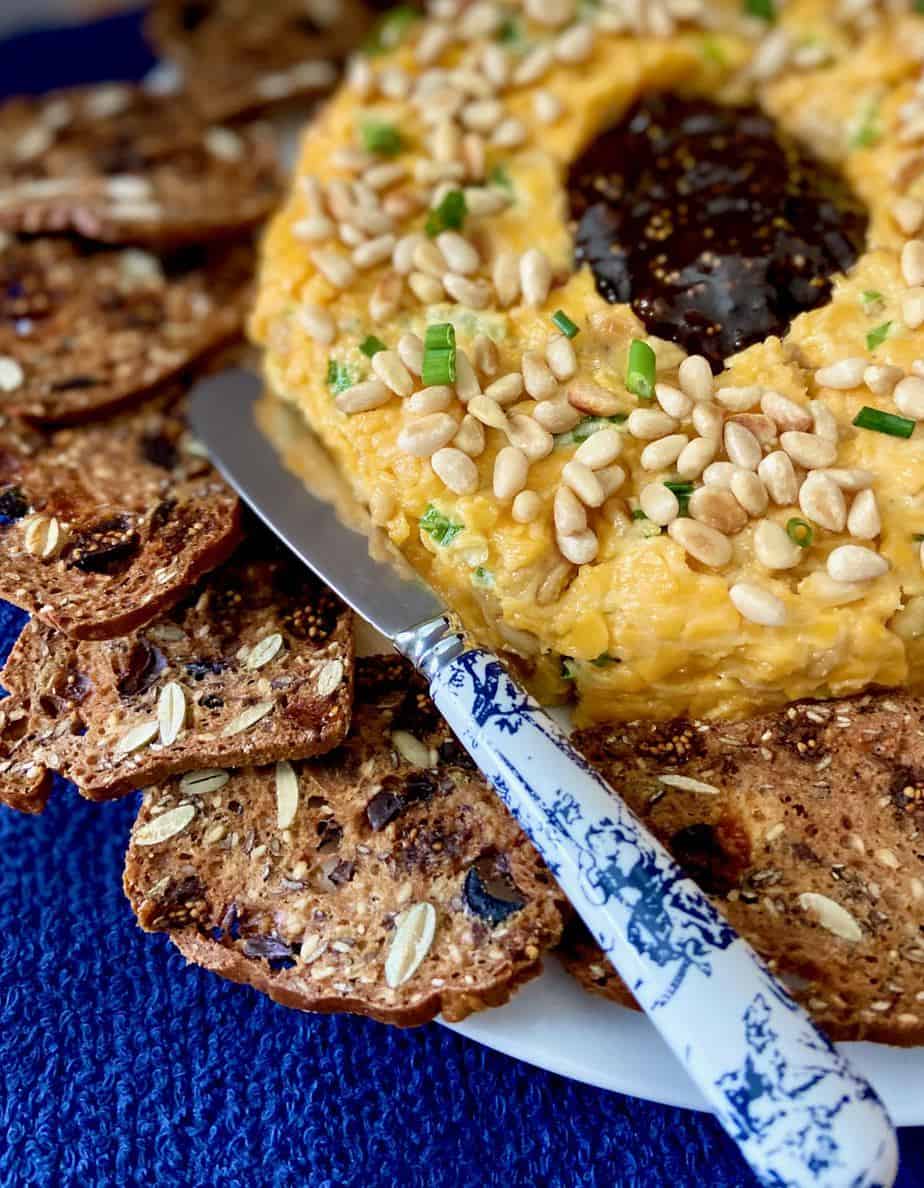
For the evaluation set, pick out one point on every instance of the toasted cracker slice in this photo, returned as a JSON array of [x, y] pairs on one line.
[[105, 526], [84, 331], [385, 879], [255, 665], [242, 55], [119, 165], [806, 828]]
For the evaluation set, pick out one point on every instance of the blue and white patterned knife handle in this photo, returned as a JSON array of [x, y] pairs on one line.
[[801, 1115]]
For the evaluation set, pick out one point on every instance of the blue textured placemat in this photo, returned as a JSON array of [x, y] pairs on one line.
[[119, 1065]]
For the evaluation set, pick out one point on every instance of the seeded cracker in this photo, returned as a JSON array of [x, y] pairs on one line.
[[83, 330], [119, 165], [254, 665], [385, 879], [805, 828], [243, 55], [104, 527]]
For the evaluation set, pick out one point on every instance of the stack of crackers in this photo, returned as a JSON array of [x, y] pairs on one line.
[[309, 824]]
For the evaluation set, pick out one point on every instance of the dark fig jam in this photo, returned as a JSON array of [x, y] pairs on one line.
[[716, 228]]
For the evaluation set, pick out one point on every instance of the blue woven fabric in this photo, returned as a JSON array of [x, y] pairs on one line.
[[120, 1066]]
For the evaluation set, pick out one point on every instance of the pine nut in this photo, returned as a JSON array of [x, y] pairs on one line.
[[467, 383], [428, 258], [386, 297], [842, 376], [374, 251], [559, 354], [350, 235], [808, 449], [742, 447], [456, 469], [600, 449], [511, 468], [391, 371], [486, 355], [882, 378], [757, 423], [547, 107], [611, 478], [708, 421], [584, 483], [569, 513], [863, 521], [411, 352], [485, 200], [579, 548], [913, 308], [909, 397], [659, 503], [824, 421], [509, 133], [507, 389], [423, 437], [785, 412], [704, 544], [317, 323], [430, 400], [590, 398], [483, 115], [719, 475], [533, 66], [470, 438], [674, 402], [506, 277], [850, 479], [739, 399], [527, 507], [458, 252], [696, 378], [558, 416], [434, 41], [647, 424], [538, 380], [773, 548], [529, 436], [615, 512], [758, 605], [496, 64], [913, 262], [402, 258], [488, 411], [363, 397], [853, 563], [750, 492], [575, 45], [314, 228], [535, 276], [382, 177], [908, 213], [553, 13], [822, 500], [427, 289], [779, 477], [475, 294], [664, 452], [334, 267], [695, 457], [719, 509]]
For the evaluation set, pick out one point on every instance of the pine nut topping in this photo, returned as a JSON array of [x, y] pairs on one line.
[[908, 213], [511, 468], [696, 456], [850, 479], [580, 548], [374, 251], [863, 520], [538, 380], [456, 469], [391, 371], [488, 411], [476, 294], [598, 402], [558, 416], [882, 378], [909, 397], [704, 544], [611, 478], [674, 402], [659, 503], [437, 398], [423, 437], [719, 509], [411, 352], [842, 376], [576, 45], [559, 354], [739, 399], [808, 449], [708, 421], [648, 424], [779, 477], [758, 605], [785, 412], [507, 389], [823, 501], [696, 378], [913, 262], [824, 421], [853, 563], [773, 548], [427, 289], [913, 308], [470, 437], [317, 323], [664, 452], [719, 475], [486, 356], [742, 447], [569, 513], [750, 492], [334, 267], [529, 436], [583, 482], [506, 277], [527, 507], [402, 258], [363, 397], [600, 449], [535, 276]]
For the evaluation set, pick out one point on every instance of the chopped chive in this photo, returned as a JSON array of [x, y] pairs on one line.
[[339, 376], [448, 216], [604, 660], [800, 532], [683, 490], [638, 514], [918, 536], [883, 422], [712, 51], [383, 139], [764, 10], [391, 29], [483, 577], [439, 361], [871, 299], [877, 337], [586, 428], [866, 130], [438, 526], [500, 177], [565, 325], [918, 6], [440, 336], [510, 32], [371, 346], [640, 373]]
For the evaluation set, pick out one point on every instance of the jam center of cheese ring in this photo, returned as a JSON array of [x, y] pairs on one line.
[[717, 229]]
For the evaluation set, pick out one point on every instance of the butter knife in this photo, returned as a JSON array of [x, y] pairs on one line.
[[801, 1115]]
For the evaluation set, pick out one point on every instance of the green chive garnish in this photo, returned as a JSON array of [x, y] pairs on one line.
[[870, 299], [640, 374], [448, 216], [638, 514], [438, 526], [800, 532], [439, 361], [683, 490], [587, 427], [500, 177], [391, 29], [567, 669], [918, 536], [383, 139], [339, 377], [566, 326], [765, 10], [919, 6], [371, 346], [604, 660], [878, 336], [883, 422], [866, 131]]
